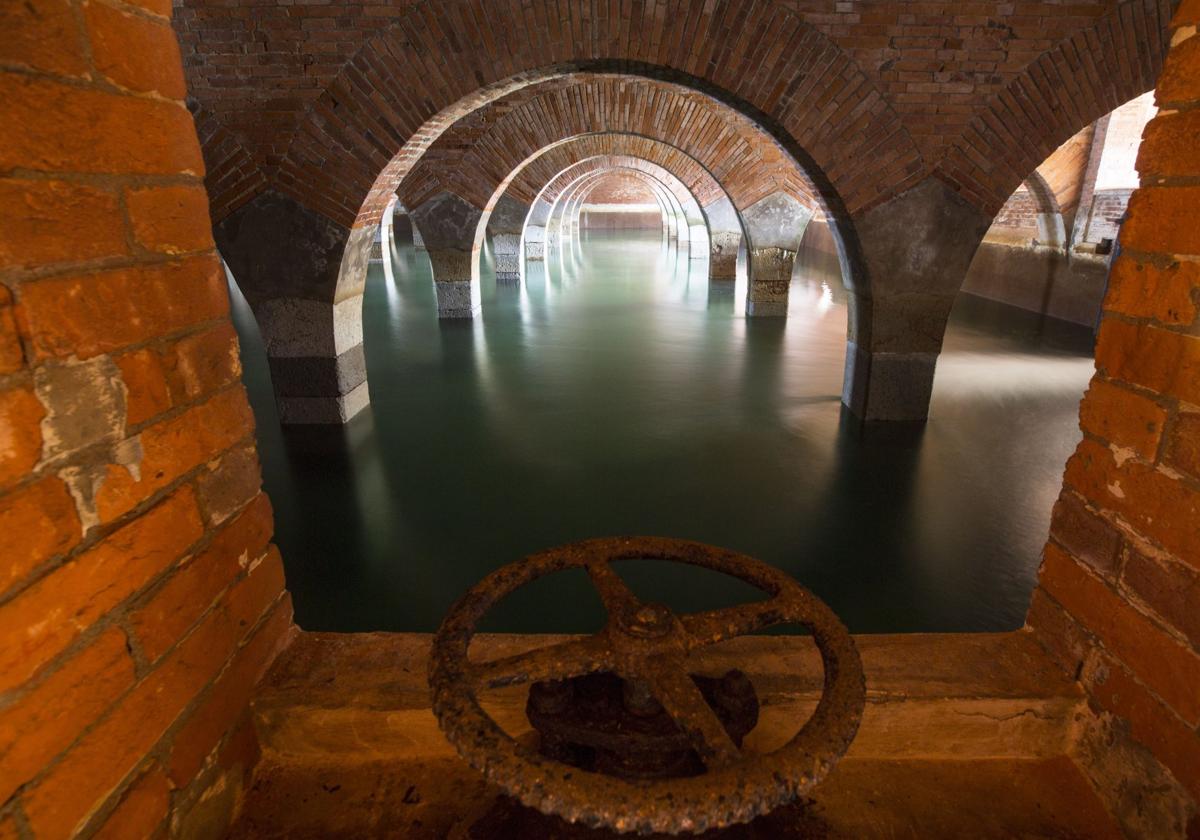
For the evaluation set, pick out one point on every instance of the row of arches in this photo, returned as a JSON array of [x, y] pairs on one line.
[[907, 219]]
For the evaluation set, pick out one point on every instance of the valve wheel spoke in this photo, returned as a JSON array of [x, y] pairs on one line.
[[673, 688], [712, 626], [573, 658], [613, 590]]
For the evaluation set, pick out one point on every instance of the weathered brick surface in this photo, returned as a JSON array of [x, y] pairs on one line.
[[1127, 622], [37, 522], [134, 51], [141, 810], [1165, 292], [128, 526], [58, 221], [1123, 418], [49, 718], [170, 219], [103, 311], [20, 433], [51, 613]]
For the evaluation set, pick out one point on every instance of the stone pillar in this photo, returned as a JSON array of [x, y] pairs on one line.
[[724, 238], [504, 226], [534, 234], [1087, 187], [697, 239], [303, 276], [448, 225], [774, 227], [916, 249]]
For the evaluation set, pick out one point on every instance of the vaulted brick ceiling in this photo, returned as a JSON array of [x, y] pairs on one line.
[[483, 148], [331, 103]]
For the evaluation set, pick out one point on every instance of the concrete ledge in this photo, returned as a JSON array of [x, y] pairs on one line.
[[360, 697]]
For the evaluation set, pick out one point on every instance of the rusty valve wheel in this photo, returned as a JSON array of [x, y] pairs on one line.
[[648, 644]]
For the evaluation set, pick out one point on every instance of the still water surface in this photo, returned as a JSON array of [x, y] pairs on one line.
[[616, 393]]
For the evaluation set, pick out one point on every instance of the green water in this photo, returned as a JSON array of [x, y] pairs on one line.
[[616, 393]]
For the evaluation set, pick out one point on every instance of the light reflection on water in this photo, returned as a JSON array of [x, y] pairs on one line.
[[616, 391]]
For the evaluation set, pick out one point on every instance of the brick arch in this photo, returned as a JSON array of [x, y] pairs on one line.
[[553, 188], [525, 181], [1069, 86], [408, 84], [482, 148], [554, 164], [670, 204]]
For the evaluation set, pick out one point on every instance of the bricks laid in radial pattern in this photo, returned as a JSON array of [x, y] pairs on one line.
[[1127, 622], [139, 588]]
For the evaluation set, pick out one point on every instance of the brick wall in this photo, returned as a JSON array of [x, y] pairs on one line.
[[1019, 213], [1107, 212], [140, 597], [1118, 600]]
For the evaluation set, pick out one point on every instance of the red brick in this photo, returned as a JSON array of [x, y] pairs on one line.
[[1160, 360], [1143, 290], [12, 354], [1123, 418], [1187, 13], [1157, 504], [1085, 534], [188, 593], [256, 591], [42, 35], [230, 695], [175, 447], [87, 775], [229, 484], [1162, 220], [1179, 81], [21, 412], [46, 222], [162, 8], [203, 362], [1152, 723], [1169, 588], [71, 129], [37, 522], [177, 374], [84, 315], [1058, 633], [1163, 664], [1168, 147], [141, 810], [147, 392], [45, 618], [134, 52], [1183, 443], [170, 220], [47, 720]]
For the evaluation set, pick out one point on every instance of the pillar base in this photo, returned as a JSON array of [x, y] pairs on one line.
[[767, 309], [457, 298], [888, 386], [332, 411]]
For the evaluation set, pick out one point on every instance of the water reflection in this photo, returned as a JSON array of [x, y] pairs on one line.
[[617, 391]]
